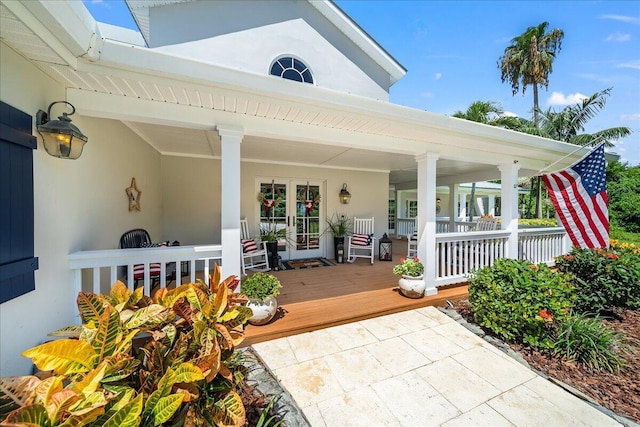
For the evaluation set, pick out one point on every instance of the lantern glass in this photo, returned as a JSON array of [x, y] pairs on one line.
[[385, 248]]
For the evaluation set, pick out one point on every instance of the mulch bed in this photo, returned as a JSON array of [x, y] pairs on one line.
[[618, 392]]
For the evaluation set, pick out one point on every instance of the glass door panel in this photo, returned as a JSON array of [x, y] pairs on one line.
[[307, 231], [293, 210]]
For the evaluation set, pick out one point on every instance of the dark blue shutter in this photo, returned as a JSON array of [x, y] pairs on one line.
[[17, 261]]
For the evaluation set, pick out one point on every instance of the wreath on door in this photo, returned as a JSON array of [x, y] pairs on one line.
[[310, 198], [270, 203]]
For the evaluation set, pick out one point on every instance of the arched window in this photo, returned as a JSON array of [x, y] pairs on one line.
[[291, 69]]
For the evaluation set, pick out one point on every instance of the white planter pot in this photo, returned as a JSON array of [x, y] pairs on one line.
[[412, 286], [263, 311]]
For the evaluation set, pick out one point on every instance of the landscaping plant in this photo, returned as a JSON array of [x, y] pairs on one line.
[[520, 301], [135, 360], [587, 340], [409, 267], [605, 280]]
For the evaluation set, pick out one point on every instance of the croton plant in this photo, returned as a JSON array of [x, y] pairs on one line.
[[136, 360]]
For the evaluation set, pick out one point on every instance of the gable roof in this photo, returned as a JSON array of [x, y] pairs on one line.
[[140, 11]]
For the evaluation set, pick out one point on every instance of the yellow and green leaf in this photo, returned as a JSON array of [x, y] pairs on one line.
[[64, 357], [187, 373], [108, 334], [149, 317], [91, 306], [128, 415], [166, 408], [16, 392], [229, 412], [30, 415]]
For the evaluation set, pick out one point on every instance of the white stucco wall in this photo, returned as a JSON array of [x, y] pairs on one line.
[[79, 205], [193, 216], [249, 35]]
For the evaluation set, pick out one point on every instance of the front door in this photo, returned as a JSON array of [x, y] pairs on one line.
[[295, 208]]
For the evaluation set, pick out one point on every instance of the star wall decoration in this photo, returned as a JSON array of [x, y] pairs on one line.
[[134, 195]]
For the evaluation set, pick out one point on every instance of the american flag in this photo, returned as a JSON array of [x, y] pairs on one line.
[[579, 194]]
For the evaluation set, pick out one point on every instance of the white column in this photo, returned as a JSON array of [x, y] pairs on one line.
[[427, 218], [453, 207], [462, 214], [491, 209], [509, 194], [230, 138]]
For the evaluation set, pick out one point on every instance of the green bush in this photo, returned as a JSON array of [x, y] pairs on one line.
[[604, 279], [260, 286], [589, 341], [519, 301], [539, 222]]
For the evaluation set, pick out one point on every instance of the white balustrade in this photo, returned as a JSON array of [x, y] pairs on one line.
[[542, 245], [108, 266], [405, 227], [459, 254]]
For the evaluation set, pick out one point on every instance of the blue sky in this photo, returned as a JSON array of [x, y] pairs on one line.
[[451, 50]]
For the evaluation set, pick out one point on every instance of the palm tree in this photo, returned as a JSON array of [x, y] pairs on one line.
[[565, 125], [528, 60]]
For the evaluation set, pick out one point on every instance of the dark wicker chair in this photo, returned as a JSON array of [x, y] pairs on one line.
[[138, 238]]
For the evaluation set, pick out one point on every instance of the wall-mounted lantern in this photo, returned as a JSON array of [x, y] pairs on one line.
[[345, 196], [61, 138]]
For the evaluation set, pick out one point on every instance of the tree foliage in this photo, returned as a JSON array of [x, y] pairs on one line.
[[623, 187], [528, 60]]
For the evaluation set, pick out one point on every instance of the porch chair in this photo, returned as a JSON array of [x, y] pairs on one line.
[[139, 238], [361, 244], [486, 224], [412, 244], [254, 254]]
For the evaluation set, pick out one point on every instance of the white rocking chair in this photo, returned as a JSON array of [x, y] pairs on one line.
[[254, 254], [361, 244], [486, 224]]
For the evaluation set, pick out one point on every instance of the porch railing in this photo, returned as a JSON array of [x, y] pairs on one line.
[[542, 245], [458, 254], [98, 270], [405, 227]]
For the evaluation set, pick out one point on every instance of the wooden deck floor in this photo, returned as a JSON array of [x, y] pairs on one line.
[[321, 297]]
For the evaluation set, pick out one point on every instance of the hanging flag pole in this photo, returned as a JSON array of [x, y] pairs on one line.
[[579, 195]]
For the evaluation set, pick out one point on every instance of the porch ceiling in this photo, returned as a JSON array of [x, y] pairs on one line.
[[170, 140]]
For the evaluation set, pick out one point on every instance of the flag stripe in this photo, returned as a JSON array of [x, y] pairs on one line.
[[583, 212], [550, 183], [579, 194]]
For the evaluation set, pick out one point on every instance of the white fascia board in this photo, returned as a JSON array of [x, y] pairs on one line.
[[355, 33], [69, 22]]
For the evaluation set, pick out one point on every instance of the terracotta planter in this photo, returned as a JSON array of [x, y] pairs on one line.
[[412, 286], [263, 311]]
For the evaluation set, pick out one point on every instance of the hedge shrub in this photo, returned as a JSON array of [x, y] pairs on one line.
[[519, 301], [605, 280]]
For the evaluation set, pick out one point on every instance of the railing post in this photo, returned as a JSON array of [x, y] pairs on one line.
[[230, 139], [509, 206], [427, 218]]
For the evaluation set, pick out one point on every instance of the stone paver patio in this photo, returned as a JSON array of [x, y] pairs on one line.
[[416, 368]]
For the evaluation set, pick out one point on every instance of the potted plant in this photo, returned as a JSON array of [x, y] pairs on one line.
[[261, 289], [272, 232], [339, 225], [411, 284]]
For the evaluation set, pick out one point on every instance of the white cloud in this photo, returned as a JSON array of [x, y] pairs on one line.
[[630, 117], [438, 76], [633, 64], [623, 18], [558, 98], [618, 37], [509, 114]]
